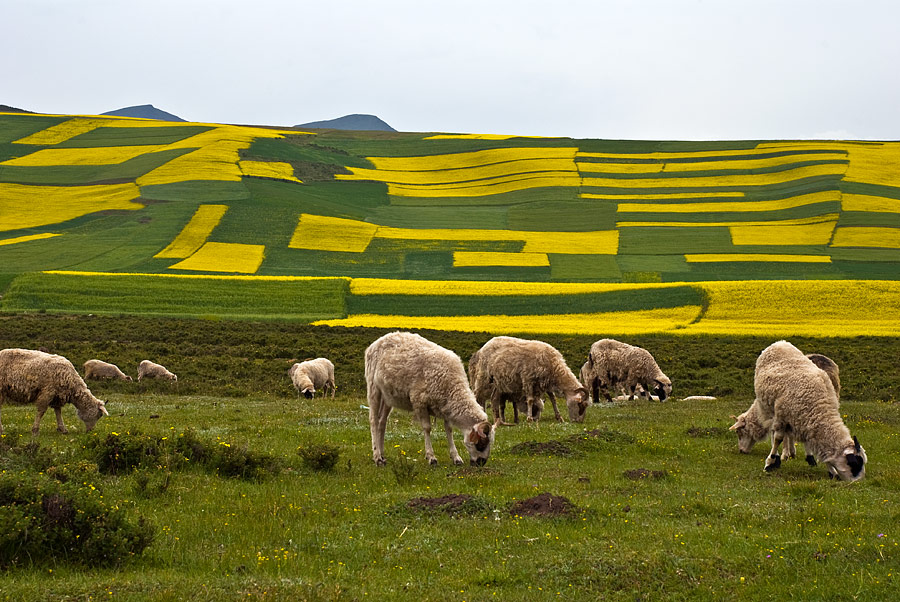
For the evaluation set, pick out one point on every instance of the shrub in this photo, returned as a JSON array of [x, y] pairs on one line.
[[240, 462], [44, 521], [320, 458]]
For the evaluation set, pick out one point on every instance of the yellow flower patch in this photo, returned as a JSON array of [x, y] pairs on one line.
[[469, 159], [102, 155], [476, 137], [30, 237], [712, 194], [743, 180], [198, 276], [801, 221], [63, 131], [471, 175], [195, 233], [323, 233], [612, 323], [801, 308], [463, 259], [785, 232], [863, 202], [269, 169], [224, 257], [487, 187], [387, 286], [885, 238], [797, 148], [717, 164], [765, 257], [27, 206], [738, 206]]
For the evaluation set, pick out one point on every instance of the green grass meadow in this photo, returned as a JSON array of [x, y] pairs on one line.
[[662, 504]]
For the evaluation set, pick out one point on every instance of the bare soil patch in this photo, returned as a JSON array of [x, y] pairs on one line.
[[544, 505]]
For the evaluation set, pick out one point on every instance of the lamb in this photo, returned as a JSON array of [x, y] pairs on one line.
[[756, 423], [509, 367], [99, 370], [310, 375], [47, 381], [806, 409], [147, 369], [406, 371], [614, 363]]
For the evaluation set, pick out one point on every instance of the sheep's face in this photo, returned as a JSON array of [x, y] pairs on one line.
[[172, 377], [577, 405], [663, 388], [92, 414], [478, 442], [128, 378], [850, 465], [309, 393], [749, 432]]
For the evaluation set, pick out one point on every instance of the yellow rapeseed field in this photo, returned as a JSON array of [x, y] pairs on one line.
[[488, 187], [463, 259], [867, 236], [197, 276], [224, 257], [26, 206], [63, 131], [30, 237], [743, 180], [102, 155], [469, 159], [472, 175], [323, 233], [269, 169], [390, 286], [812, 232], [195, 233], [736, 206], [764, 257], [864, 202]]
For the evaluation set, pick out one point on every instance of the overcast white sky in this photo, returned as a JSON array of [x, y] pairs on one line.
[[633, 69]]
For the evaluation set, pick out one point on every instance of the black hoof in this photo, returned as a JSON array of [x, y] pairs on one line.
[[433, 461], [776, 463], [810, 460]]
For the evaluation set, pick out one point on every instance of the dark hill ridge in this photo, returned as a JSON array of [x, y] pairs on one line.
[[9, 109], [351, 122], [144, 112]]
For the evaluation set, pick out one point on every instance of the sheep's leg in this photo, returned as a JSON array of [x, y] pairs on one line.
[[773, 460], [60, 426], [790, 450], [559, 417], [451, 444], [425, 420], [605, 388], [378, 415], [515, 407], [36, 427], [497, 406]]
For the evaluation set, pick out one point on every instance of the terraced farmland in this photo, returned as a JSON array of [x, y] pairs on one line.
[[465, 232]]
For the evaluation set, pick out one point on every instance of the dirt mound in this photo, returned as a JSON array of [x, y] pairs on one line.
[[637, 474], [544, 504], [573, 444]]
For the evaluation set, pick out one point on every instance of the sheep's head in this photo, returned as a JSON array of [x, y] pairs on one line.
[[92, 412], [850, 465], [577, 404], [662, 387], [478, 442], [749, 432], [128, 378], [309, 393], [171, 376]]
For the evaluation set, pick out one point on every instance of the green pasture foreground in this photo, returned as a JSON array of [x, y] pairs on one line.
[[662, 507]]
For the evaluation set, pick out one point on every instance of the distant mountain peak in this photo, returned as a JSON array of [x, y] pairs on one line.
[[9, 109], [144, 112], [356, 121]]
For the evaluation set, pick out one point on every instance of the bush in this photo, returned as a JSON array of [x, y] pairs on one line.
[[320, 458], [44, 521]]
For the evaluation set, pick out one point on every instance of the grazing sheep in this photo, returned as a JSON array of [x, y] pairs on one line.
[[406, 371], [756, 423], [519, 404], [806, 409], [47, 381], [525, 369], [99, 370], [614, 363], [147, 369], [310, 375]]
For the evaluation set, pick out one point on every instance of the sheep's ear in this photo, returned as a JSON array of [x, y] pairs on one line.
[[739, 422], [486, 429], [103, 408], [856, 444], [591, 360]]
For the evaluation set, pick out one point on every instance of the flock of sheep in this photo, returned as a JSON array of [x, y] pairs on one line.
[[796, 394]]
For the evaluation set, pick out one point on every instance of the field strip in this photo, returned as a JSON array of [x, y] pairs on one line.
[[881, 237], [766, 257], [467, 174], [723, 164], [782, 233], [664, 196], [863, 202], [27, 206], [30, 237], [469, 159], [463, 259], [269, 169], [103, 155], [224, 257], [323, 233], [801, 221], [663, 156], [197, 276], [195, 233], [387, 286], [720, 206], [746, 180], [624, 322], [487, 188]]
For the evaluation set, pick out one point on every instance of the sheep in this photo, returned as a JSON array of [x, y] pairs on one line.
[[756, 423], [805, 409], [521, 368], [99, 370], [47, 381], [406, 371], [147, 369], [519, 404], [614, 363], [310, 375]]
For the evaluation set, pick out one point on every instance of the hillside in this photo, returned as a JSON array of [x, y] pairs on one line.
[[468, 232]]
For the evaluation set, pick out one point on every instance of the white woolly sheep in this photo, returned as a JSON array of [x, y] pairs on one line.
[[47, 381], [614, 363], [524, 369], [99, 370], [147, 369], [310, 375], [519, 404], [755, 424], [406, 371], [806, 408]]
